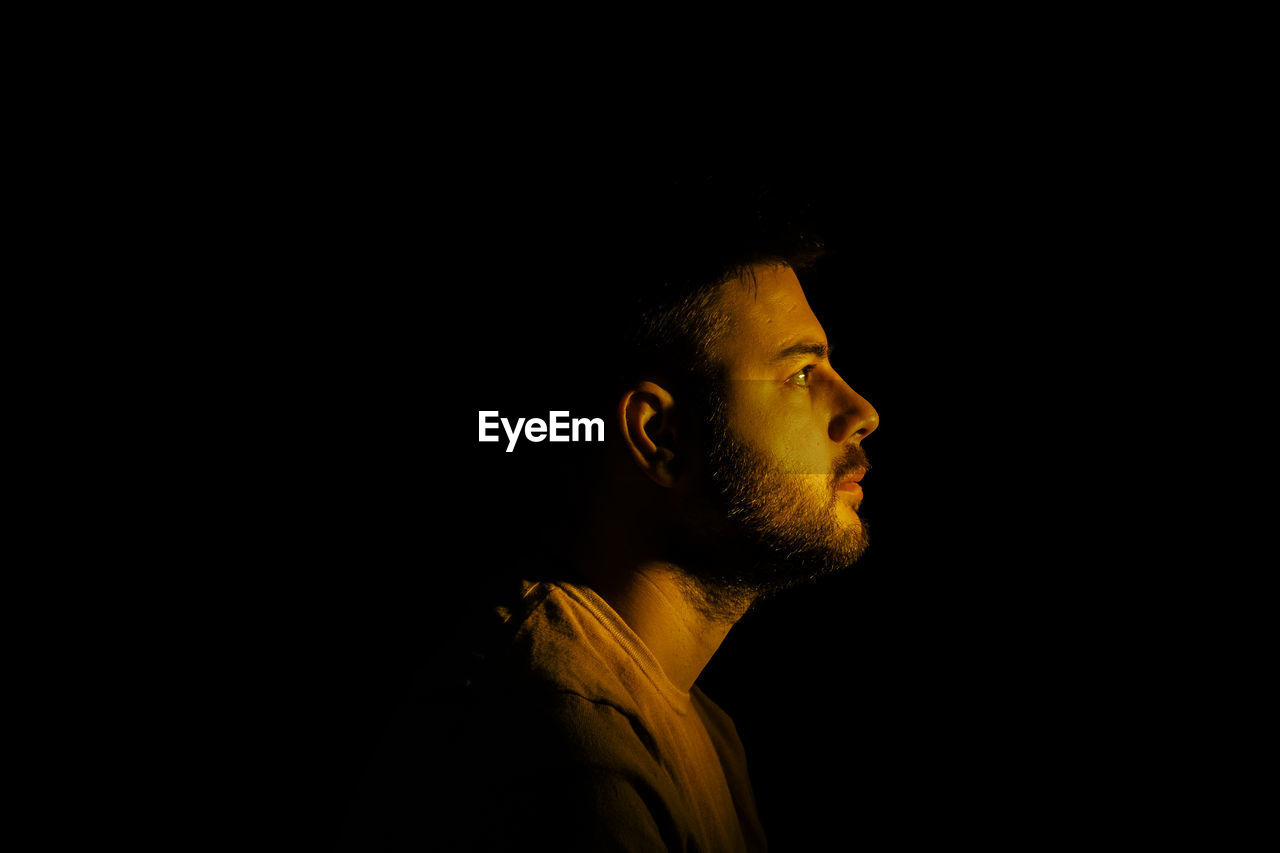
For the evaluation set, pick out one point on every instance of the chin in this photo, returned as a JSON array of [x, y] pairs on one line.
[[850, 515]]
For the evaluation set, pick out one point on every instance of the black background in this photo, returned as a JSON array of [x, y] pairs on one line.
[[931, 687]]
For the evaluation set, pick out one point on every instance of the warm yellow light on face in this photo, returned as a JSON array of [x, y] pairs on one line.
[[784, 396]]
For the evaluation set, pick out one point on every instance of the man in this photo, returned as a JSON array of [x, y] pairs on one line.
[[730, 472]]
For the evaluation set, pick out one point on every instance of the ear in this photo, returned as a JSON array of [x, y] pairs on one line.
[[646, 418]]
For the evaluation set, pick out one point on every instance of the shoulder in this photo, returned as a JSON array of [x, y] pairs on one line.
[[588, 731], [560, 643], [538, 739]]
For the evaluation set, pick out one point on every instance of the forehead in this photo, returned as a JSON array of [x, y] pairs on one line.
[[765, 317]]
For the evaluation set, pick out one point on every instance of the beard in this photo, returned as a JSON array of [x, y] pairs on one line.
[[768, 529]]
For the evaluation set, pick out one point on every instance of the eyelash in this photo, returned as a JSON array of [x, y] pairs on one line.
[[805, 371]]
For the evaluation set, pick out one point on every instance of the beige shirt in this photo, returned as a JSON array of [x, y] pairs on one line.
[[660, 768]]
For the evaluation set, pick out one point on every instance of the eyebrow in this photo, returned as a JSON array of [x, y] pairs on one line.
[[813, 348]]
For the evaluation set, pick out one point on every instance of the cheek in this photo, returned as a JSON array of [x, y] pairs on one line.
[[800, 446], [801, 439], [786, 427]]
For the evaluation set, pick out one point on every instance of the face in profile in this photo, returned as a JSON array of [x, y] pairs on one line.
[[784, 444]]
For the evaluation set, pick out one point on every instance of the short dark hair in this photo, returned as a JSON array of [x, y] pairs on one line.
[[635, 266], [691, 237]]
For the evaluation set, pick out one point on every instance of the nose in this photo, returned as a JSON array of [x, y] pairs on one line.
[[854, 418]]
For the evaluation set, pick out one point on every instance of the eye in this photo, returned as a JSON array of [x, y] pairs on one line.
[[801, 379]]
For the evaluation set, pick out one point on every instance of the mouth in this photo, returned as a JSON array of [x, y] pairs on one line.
[[850, 483], [850, 489]]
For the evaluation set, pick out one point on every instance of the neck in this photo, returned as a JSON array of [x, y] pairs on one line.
[[681, 622], [670, 615], [626, 554]]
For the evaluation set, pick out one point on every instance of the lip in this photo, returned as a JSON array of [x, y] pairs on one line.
[[850, 483], [852, 491]]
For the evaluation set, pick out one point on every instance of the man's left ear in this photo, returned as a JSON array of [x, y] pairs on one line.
[[647, 422]]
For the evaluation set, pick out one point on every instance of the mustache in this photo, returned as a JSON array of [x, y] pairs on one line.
[[854, 458]]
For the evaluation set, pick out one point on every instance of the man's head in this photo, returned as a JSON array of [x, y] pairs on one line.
[[759, 441]]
